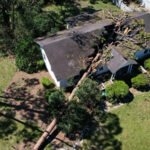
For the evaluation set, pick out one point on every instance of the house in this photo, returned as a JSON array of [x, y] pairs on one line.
[[123, 4], [67, 53], [123, 57]]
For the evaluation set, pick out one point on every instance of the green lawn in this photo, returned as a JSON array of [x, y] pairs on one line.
[[7, 71], [86, 6], [135, 123], [13, 131]]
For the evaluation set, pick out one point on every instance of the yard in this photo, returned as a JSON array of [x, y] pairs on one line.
[[7, 71], [135, 123], [19, 106], [83, 6]]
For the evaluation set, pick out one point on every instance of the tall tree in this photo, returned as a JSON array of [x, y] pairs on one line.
[[89, 93]]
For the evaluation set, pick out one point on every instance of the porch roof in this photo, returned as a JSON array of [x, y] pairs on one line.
[[118, 61]]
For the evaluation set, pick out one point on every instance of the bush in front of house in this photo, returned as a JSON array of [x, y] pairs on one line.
[[27, 55], [46, 82], [139, 82], [117, 91], [49, 92], [40, 64], [147, 64]]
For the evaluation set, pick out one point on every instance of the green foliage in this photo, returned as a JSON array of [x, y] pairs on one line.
[[46, 82], [40, 64], [56, 102], [27, 55], [30, 132], [139, 82], [117, 91], [104, 137], [74, 118], [130, 49], [147, 64], [48, 93], [134, 119], [89, 93]]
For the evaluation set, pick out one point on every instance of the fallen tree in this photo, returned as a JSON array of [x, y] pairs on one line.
[[124, 35], [51, 126]]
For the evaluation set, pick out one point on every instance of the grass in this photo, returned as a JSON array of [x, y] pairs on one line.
[[7, 71], [86, 6], [135, 122], [14, 132]]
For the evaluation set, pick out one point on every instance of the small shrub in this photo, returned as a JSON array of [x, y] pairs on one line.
[[139, 82], [40, 64], [147, 64], [49, 92], [46, 82], [117, 91]]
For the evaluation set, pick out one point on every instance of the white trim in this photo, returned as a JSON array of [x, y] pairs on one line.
[[49, 68]]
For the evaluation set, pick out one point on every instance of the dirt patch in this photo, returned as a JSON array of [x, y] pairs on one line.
[[25, 96], [135, 92]]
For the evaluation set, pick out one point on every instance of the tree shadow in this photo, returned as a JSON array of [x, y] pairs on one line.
[[104, 136], [128, 98], [9, 127], [88, 9], [27, 103]]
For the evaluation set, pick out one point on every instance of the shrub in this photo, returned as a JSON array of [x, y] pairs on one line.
[[147, 64], [56, 103], [40, 64], [46, 82], [49, 92], [139, 82], [27, 55], [89, 93], [117, 91], [74, 119]]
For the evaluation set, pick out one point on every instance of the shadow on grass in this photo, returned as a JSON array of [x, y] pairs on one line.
[[24, 131], [104, 136], [29, 105], [128, 98]]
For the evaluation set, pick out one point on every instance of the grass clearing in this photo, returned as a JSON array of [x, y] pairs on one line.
[[14, 132], [86, 6], [7, 71], [135, 123]]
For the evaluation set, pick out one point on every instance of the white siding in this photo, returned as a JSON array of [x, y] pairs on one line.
[[121, 5], [141, 54], [105, 69], [145, 3], [124, 7], [48, 66]]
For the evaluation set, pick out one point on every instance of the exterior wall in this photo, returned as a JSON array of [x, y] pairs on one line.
[[63, 83], [105, 69], [121, 5], [141, 54], [48, 66], [124, 7], [145, 3]]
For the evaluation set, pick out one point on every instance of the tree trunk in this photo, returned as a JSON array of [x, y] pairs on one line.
[[54, 122], [45, 134]]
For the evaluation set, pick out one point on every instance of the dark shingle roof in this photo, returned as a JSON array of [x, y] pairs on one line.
[[66, 56], [118, 61]]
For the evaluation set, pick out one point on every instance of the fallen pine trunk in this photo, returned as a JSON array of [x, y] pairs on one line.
[[45, 134], [54, 122]]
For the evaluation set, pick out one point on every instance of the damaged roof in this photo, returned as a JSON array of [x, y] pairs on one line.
[[66, 56], [118, 61]]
